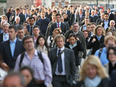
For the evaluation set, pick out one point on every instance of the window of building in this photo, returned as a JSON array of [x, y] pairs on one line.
[[56, 3], [63, 3]]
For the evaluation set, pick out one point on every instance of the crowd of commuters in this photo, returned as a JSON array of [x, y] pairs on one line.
[[44, 47]]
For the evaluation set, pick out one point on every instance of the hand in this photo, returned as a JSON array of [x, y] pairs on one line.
[[12, 17], [93, 40], [5, 66], [77, 38], [67, 40]]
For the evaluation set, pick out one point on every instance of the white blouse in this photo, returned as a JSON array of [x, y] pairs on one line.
[[2, 74]]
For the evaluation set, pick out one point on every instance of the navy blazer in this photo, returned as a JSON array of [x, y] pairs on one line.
[[5, 52]]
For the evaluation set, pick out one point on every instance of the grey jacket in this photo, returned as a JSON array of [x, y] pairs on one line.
[[69, 63]]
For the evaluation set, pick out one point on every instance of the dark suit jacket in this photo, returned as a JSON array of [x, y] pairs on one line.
[[54, 25], [96, 44], [113, 79], [1, 37], [79, 20], [29, 29], [22, 18], [69, 63], [5, 52]]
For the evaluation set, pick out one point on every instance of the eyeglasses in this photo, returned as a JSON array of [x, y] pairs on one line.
[[112, 54]]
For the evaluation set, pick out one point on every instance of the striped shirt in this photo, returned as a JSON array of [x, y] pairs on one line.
[[42, 71]]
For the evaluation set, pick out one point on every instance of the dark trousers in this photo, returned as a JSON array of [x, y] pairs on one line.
[[41, 85], [60, 81]]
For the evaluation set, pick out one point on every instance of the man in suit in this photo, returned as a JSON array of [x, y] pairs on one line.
[[17, 13], [106, 21], [63, 67], [11, 48], [4, 36], [31, 25], [58, 24], [20, 32], [80, 17], [25, 14], [99, 20]]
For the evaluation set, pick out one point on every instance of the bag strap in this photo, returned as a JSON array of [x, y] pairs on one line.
[[22, 56], [21, 59], [40, 56], [58, 56], [100, 51]]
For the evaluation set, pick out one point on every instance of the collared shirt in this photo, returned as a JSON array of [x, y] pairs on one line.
[[76, 32], [103, 56], [19, 39], [98, 37], [106, 24], [42, 72], [63, 62], [12, 46], [80, 15], [59, 24], [5, 36]]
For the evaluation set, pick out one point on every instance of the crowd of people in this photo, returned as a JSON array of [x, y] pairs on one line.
[[44, 47]]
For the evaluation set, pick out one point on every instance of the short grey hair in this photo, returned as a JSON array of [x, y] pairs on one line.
[[59, 36], [11, 73], [17, 17], [6, 24]]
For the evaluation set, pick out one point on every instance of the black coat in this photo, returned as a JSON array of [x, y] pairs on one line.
[[1, 37], [113, 79], [32, 84], [76, 50], [5, 52], [104, 83], [22, 18], [95, 46]]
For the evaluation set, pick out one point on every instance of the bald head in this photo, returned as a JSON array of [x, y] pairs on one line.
[[112, 23]]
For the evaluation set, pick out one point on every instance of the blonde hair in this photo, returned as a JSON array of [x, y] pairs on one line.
[[99, 26], [57, 29], [109, 38], [95, 61]]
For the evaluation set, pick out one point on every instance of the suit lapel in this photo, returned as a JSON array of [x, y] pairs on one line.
[[2, 37], [16, 47]]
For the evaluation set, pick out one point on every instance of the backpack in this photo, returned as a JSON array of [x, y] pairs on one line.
[[22, 56], [100, 51]]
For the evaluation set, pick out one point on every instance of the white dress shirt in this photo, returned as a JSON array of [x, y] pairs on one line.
[[63, 62], [5, 36]]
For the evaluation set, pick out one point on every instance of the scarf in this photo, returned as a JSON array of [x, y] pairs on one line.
[[72, 46], [92, 82]]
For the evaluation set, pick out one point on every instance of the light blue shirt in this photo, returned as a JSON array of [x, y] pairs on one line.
[[103, 56], [106, 24], [99, 37], [12, 46], [59, 24], [5, 36]]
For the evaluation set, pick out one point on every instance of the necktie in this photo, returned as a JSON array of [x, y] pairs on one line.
[[31, 31], [59, 63], [58, 25]]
